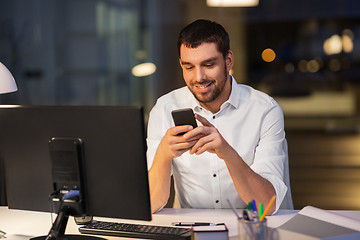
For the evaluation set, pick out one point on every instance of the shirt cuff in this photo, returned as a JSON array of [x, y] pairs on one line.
[[280, 189]]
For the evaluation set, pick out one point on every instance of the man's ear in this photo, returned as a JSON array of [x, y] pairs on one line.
[[229, 60]]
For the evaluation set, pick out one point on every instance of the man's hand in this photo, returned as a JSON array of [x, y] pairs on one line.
[[173, 145], [209, 139], [248, 184]]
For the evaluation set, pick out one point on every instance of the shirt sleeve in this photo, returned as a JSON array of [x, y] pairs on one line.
[[159, 121], [270, 155], [157, 126]]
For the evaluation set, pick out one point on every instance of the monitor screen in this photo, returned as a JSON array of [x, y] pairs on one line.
[[114, 151]]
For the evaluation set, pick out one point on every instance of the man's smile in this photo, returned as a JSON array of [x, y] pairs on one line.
[[204, 87]]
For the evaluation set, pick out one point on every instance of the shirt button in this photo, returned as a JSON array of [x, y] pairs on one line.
[[217, 201], [214, 117], [214, 175]]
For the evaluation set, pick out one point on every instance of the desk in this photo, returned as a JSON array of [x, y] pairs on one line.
[[20, 225]]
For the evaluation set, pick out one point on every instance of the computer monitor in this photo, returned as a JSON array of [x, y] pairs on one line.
[[114, 157]]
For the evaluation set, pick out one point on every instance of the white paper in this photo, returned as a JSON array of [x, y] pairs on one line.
[[209, 228], [330, 217]]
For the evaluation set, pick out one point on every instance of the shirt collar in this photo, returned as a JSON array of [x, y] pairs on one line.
[[234, 98]]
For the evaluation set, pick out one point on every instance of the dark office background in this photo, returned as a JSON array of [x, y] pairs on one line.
[[81, 52]]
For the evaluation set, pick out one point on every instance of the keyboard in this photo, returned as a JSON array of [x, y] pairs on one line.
[[136, 230]]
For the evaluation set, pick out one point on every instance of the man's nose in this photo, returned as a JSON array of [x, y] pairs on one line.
[[199, 74]]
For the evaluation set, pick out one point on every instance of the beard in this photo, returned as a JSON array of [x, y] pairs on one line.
[[214, 94]]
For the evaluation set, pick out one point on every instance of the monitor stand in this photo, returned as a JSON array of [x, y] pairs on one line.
[[57, 231]]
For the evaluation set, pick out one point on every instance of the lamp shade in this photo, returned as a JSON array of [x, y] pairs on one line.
[[143, 69], [7, 81], [232, 3]]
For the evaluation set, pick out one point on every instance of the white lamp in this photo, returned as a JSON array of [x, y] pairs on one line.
[[232, 3], [143, 69], [7, 81]]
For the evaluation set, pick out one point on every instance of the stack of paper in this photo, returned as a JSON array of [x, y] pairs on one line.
[[313, 223]]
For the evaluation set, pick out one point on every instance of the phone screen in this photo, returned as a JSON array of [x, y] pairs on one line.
[[184, 117]]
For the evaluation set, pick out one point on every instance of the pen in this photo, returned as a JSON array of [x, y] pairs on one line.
[[246, 215], [268, 208], [249, 210], [261, 209], [233, 209], [249, 207], [254, 209], [253, 205], [191, 224]]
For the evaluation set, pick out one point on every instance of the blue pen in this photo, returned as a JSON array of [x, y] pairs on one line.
[[246, 215], [253, 204], [254, 209]]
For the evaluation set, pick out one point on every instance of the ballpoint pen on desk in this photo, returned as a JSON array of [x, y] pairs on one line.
[[192, 224]]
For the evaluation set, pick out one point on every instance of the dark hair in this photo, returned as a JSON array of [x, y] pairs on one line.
[[204, 31]]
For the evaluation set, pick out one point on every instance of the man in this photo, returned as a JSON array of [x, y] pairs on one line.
[[236, 153]]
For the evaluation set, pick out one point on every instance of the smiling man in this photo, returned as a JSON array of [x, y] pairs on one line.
[[236, 153]]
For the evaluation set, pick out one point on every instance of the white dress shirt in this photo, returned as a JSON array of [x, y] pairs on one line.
[[250, 121]]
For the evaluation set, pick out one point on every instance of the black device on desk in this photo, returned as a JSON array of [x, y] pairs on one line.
[[114, 167]]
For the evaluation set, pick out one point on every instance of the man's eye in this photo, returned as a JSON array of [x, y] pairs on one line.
[[210, 65], [189, 68]]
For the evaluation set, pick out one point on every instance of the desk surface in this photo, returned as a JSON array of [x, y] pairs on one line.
[[21, 225]]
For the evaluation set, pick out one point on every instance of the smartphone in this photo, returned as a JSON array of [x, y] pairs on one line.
[[184, 117]]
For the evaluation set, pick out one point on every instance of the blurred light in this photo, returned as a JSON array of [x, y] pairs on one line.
[[289, 68], [347, 43], [268, 55], [334, 65], [348, 33], [143, 69], [333, 45], [9, 106], [302, 65], [313, 66], [232, 3]]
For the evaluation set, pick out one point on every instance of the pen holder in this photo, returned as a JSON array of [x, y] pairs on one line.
[[253, 229]]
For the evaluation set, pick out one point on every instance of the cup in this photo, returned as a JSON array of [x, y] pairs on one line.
[[253, 229]]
